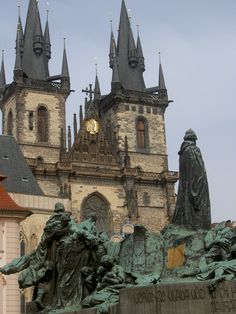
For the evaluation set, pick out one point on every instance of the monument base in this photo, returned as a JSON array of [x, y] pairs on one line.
[[186, 298]]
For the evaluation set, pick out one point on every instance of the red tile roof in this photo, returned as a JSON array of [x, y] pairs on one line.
[[6, 202]]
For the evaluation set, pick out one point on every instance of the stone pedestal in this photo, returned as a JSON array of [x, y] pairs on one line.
[[179, 299], [189, 298]]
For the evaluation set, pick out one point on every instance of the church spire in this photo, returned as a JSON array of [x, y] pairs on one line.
[[130, 75], [34, 63], [65, 68], [47, 40], [2, 73]]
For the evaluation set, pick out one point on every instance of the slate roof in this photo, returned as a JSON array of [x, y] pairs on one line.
[[20, 179], [131, 77], [35, 67]]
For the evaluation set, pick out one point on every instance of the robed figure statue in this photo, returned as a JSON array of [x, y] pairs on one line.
[[193, 202]]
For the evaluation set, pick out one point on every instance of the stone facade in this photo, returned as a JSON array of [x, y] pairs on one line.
[[117, 165], [24, 103], [82, 170]]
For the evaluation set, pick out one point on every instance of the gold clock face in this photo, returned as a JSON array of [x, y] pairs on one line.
[[92, 126]]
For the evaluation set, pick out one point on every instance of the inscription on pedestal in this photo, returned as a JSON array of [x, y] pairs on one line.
[[180, 299]]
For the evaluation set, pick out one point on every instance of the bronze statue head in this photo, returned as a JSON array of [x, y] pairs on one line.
[[59, 208], [190, 135]]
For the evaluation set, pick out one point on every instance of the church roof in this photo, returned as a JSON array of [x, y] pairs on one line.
[[129, 67], [20, 179], [34, 66]]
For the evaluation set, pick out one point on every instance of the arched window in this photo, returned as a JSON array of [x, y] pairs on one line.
[[142, 133], [42, 124], [10, 123], [97, 204]]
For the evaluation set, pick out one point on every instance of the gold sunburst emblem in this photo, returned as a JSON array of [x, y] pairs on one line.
[[92, 126]]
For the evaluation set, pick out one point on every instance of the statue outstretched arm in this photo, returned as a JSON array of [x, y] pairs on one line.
[[16, 265]]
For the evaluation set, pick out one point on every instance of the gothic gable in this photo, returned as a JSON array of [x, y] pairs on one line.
[[91, 144]]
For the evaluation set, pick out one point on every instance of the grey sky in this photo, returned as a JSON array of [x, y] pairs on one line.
[[197, 40]]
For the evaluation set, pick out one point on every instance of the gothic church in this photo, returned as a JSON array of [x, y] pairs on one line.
[[113, 162]]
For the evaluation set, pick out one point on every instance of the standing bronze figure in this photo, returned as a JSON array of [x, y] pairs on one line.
[[193, 202]]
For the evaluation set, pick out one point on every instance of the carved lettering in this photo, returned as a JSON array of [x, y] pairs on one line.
[[222, 300], [228, 306], [144, 297]]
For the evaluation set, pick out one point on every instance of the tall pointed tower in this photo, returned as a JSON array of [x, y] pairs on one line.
[[33, 105], [132, 109], [135, 115]]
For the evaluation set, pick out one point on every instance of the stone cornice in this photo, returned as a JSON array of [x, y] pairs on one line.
[[133, 97], [19, 215], [44, 86], [114, 173]]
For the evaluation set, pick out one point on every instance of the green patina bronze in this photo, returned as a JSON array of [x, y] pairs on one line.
[[76, 267], [193, 202]]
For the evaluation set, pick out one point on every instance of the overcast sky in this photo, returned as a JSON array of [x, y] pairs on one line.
[[197, 40]]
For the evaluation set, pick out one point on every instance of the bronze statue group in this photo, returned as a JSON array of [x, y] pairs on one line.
[[75, 266]]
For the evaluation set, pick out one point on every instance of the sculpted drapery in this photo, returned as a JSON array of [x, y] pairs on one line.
[[193, 202]]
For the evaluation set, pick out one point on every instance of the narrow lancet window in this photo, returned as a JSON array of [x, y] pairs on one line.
[[142, 133], [10, 124], [42, 124]]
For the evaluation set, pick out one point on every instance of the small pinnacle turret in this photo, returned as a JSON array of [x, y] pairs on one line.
[[20, 36], [2, 73], [63, 145], [47, 41], [75, 126], [65, 68], [132, 51], [18, 61], [97, 91], [112, 53], [69, 138], [115, 82], [140, 54], [162, 86], [38, 44], [81, 116]]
